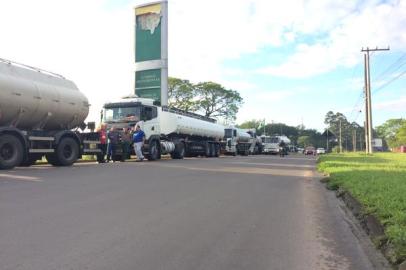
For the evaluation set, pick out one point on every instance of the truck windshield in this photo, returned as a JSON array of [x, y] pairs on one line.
[[266, 140], [228, 133], [122, 114], [274, 140]]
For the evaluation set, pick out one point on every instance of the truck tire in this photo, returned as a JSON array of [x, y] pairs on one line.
[[179, 151], [30, 160], [212, 150], [67, 152], [51, 158], [207, 150], [216, 150], [11, 152], [153, 151]]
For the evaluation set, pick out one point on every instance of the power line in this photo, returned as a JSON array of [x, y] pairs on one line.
[[390, 81], [395, 66], [357, 103]]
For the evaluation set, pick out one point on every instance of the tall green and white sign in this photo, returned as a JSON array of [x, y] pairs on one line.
[[151, 51]]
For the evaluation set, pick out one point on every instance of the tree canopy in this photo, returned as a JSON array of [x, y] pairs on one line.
[[181, 94], [208, 98], [392, 131]]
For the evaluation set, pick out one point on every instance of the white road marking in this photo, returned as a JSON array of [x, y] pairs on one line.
[[20, 177], [273, 164]]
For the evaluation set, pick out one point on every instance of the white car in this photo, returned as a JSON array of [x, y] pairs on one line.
[[320, 151]]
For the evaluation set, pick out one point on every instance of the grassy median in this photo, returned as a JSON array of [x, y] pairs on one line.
[[378, 182]]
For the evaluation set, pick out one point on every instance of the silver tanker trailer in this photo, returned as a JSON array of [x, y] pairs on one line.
[[39, 111], [237, 141], [167, 130]]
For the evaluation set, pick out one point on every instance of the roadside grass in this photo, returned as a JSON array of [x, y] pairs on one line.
[[378, 182]]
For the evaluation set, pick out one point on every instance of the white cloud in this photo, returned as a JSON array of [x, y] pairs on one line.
[[91, 42], [374, 25], [397, 105], [79, 39]]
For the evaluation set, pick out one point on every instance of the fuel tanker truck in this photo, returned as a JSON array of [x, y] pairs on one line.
[[167, 130], [40, 113], [237, 142]]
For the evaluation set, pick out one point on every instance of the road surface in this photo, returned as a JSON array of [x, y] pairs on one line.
[[256, 212]]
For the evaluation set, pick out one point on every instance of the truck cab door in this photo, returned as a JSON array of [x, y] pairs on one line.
[[150, 124]]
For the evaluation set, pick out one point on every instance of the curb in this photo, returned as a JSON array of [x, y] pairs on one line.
[[369, 223]]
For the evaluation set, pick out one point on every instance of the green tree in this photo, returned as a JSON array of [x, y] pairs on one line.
[[388, 131], [282, 129], [257, 124], [304, 141], [401, 134], [208, 98], [337, 121], [213, 100], [181, 94]]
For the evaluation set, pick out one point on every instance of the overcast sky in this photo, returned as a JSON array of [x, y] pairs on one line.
[[292, 61]]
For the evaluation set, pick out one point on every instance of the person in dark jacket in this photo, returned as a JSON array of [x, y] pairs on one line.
[[282, 148], [125, 143], [113, 140]]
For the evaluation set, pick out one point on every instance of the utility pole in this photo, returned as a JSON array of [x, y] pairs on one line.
[[368, 111], [341, 143], [327, 142], [354, 140]]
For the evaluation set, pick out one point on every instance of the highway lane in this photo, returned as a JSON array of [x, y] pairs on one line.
[[257, 212]]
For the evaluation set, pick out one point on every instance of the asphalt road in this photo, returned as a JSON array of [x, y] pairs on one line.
[[258, 212]]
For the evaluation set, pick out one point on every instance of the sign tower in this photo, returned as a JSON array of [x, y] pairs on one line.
[[151, 51]]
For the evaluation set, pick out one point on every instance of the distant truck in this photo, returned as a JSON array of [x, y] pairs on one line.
[[271, 143], [40, 113], [237, 142], [256, 143], [241, 142], [168, 130]]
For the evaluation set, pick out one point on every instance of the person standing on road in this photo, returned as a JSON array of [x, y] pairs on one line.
[[113, 140], [102, 130], [125, 143], [282, 148], [138, 140]]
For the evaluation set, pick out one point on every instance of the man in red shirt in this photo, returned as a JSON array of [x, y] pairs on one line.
[[103, 143]]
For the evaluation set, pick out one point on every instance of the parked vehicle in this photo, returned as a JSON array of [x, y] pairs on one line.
[[256, 142], [271, 143], [310, 150], [40, 113], [320, 151], [237, 142], [167, 130]]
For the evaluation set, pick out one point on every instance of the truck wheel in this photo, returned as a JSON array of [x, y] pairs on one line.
[[216, 150], [207, 150], [153, 151], [30, 160], [51, 158], [11, 152], [179, 151], [212, 150], [67, 152]]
